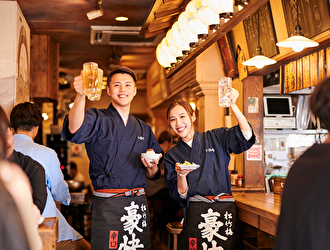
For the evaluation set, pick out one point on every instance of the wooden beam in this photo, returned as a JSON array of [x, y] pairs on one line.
[[152, 34], [168, 13], [160, 26], [150, 16]]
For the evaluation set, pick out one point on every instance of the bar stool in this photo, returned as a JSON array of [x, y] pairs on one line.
[[173, 228]]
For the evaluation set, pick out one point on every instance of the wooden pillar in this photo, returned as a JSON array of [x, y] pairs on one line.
[[208, 70], [254, 169]]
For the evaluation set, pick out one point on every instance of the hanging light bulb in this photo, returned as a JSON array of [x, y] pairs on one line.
[[259, 60], [206, 15], [297, 41], [174, 51], [161, 60], [178, 41], [185, 33], [225, 8], [193, 23]]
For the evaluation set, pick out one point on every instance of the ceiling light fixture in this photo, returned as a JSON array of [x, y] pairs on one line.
[[121, 18], [297, 41], [259, 60], [98, 12]]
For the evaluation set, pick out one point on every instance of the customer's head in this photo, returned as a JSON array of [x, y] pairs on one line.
[[4, 124], [165, 140], [73, 169], [320, 102], [25, 116]]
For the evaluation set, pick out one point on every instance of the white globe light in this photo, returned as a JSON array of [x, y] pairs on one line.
[[205, 14], [178, 41], [193, 23], [185, 33]]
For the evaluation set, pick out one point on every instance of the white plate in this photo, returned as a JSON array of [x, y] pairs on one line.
[[149, 156], [192, 166]]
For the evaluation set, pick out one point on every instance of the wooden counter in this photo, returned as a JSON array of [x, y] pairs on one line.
[[260, 210], [259, 213], [48, 231]]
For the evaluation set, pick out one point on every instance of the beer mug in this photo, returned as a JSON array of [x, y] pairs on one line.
[[224, 91], [92, 77]]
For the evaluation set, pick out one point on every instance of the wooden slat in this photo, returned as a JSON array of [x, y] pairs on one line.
[[168, 13]]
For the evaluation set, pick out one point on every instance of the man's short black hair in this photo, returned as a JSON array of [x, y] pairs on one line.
[[122, 70], [25, 116]]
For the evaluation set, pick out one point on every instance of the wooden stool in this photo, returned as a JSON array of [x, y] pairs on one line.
[[173, 228]]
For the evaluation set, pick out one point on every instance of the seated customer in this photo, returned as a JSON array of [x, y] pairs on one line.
[[18, 214], [25, 119], [75, 174], [33, 170], [304, 221]]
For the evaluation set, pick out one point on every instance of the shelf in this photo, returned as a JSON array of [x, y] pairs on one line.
[[295, 131], [238, 17]]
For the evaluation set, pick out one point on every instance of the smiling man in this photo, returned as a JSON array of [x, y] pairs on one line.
[[114, 140]]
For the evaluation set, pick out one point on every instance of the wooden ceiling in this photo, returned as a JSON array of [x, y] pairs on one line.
[[67, 23]]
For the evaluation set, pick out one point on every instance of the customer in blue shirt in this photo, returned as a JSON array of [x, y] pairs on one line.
[[25, 119]]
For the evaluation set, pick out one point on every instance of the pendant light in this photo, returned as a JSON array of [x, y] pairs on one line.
[[297, 42], [259, 60]]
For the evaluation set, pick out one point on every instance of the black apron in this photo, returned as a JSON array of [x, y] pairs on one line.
[[211, 225], [120, 221]]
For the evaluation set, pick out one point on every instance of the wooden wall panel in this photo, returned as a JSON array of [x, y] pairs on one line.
[[254, 169], [44, 68]]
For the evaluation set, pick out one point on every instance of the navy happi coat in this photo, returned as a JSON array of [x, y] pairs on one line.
[[211, 150], [114, 149]]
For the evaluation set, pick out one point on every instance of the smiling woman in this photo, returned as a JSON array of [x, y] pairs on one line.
[[204, 188]]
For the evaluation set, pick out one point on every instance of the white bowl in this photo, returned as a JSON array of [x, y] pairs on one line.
[[149, 156]]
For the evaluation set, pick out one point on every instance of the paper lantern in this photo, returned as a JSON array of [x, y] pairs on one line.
[[185, 33], [206, 15], [225, 8], [178, 41], [171, 46], [193, 23], [161, 60]]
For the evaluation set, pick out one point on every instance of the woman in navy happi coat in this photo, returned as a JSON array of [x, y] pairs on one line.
[[205, 193]]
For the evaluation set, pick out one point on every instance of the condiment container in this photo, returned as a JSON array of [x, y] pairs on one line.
[[240, 181], [233, 177]]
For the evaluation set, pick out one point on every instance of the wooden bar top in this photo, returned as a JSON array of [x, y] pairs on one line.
[[260, 210]]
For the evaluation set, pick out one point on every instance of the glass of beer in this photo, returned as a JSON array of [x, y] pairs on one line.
[[224, 91], [97, 96], [90, 76]]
